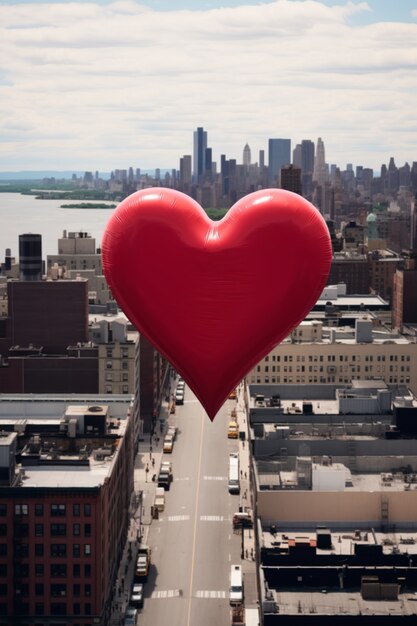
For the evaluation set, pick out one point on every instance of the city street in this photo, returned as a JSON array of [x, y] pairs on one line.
[[193, 544]]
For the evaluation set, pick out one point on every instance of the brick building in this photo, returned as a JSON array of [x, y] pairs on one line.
[[65, 490]]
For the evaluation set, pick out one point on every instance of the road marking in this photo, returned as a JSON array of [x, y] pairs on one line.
[[214, 477], [211, 518], [230, 557], [210, 594], [166, 593], [197, 493], [176, 518], [182, 478]]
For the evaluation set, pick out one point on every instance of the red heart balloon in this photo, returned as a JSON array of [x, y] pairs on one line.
[[215, 297]]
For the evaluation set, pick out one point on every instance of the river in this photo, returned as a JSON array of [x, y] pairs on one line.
[[24, 214]]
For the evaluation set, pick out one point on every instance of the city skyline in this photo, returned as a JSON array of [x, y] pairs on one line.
[[93, 85]]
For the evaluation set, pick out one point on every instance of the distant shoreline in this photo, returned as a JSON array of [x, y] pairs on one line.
[[88, 205]]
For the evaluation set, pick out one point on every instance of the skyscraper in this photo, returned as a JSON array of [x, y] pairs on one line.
[[185, 169], [199, 157], [307, 167], [246, 156], [320, 171], [279, 155]]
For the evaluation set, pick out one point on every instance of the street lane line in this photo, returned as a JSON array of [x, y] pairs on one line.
[[195, 521]]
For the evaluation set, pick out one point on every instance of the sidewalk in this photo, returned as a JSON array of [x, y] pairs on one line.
[[140, 517], [246, 501]]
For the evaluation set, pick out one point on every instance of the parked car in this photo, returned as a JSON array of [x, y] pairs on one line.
[[172, 432], [179, 397], [136, 599], [131, 616], [168, 444]]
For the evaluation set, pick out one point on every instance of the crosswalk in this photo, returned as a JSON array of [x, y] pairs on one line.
[[212, 518], [177, 518], [214, 477], [166, 593], [210, 594]]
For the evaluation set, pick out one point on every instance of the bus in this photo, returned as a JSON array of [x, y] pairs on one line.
[[236, 585], [233, 484]]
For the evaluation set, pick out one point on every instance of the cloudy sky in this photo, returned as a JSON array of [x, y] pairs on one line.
[[104, 85]]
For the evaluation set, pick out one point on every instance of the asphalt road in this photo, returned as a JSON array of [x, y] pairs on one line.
[[193, 545]]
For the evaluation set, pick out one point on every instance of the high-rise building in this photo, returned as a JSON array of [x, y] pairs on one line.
[[199, 156], [246, 156], [279, 156], [291, 179], [307, 166], [296, 156], [185, 169], [320, 170]]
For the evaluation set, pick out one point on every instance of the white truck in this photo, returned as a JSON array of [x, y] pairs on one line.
[[159, 502]]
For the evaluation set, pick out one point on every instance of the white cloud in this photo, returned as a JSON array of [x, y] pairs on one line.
[[118, 85]]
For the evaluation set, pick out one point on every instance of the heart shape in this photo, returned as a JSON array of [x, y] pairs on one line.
[[215, 297]]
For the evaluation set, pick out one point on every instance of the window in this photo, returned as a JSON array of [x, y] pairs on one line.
[[3, 589], [109, 353], [87, 569], [87, 608], [109, 365], [38, 530], [125, 365], [58, 589], [76, 509], [76, 589], [21, 550], [58, 530], [58, 509], [76, 550], [125, 377], [39, 608], [87, 530], [109, 389], [87, 589], [76, 530], [87, 549], [38, 549], [21, 589], [3, 549], [3, 569], [39, 589], [3, 530], [3, 510], [58, 608], [21, 509], [58, 569], [125, 388], [21, 530], [21, 570], [38, 509], [77, 608], [76, 569], [87, 510], [59, 549], [109, 376], [38, 569]]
